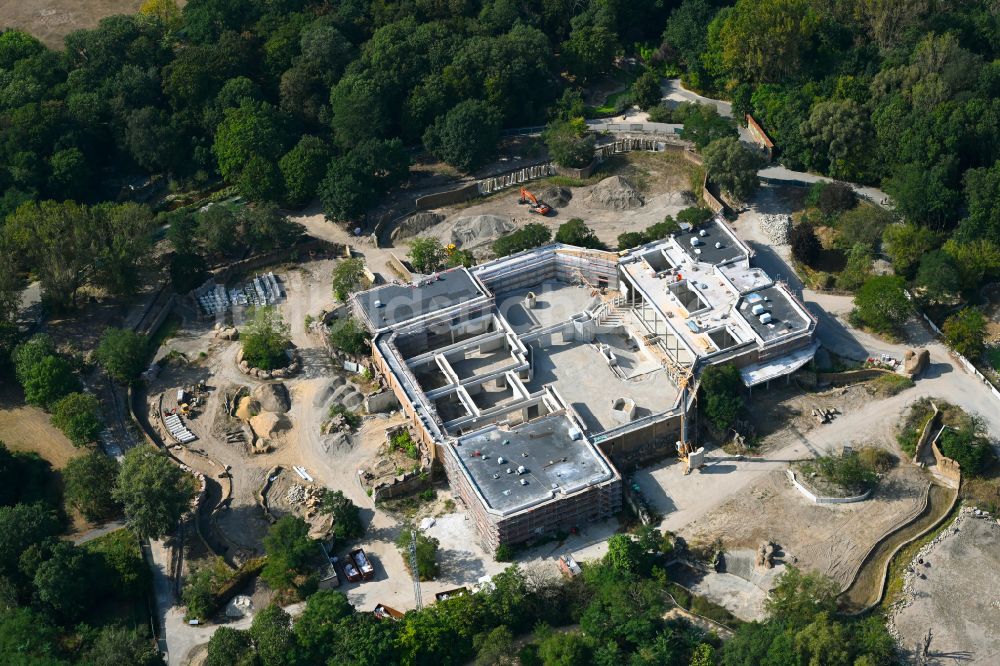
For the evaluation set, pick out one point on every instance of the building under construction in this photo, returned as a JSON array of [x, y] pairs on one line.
[[530, 377]]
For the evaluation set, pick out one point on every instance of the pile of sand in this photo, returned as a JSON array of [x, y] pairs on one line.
[[273, 397], [416, 223], [269, 424], [248, 407], [470, 232], [615, 193], [555, 196]]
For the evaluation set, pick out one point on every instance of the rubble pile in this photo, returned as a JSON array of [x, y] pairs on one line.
[[615, 193], [775, 227]]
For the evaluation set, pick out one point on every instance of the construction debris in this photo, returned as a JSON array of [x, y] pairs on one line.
[[765, 555], [775, 227]]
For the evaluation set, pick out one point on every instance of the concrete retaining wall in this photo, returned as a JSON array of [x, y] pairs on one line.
[[947, 467], [449, 198], [825, 500], [926, 434], [399, 268]]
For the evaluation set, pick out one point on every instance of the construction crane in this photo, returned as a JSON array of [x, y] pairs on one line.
[[537, 207], [413, 570]]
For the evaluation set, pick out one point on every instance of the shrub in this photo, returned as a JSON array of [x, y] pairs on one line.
[[568, 143], [695, 215], [576, 232], [972, 452], [265, 339], [504, 553], [402, 441], [349, 336], [525, 238], [427, 547], [347, 276], [805, 244]]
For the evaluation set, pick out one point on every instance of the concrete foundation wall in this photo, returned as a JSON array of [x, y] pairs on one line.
[[652, 442]]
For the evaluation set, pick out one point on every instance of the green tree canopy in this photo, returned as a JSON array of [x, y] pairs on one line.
[[703, 125], [349, 336], [732, 166], [645, 92], [427, 255], [265, 339], [720, 395], [525, 238], [45, 376], [576, 232], [289, 551], [881, 304], [569, 143], [89, 481], [466, 136], [122, 353], [346, 519], [348, 275], [965, 332], [302, 169], [78, 415], [153, 491]]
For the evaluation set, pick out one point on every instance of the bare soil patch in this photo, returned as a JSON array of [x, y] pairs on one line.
[[51, 20], [829, 538], [664, 181], [27, 428]]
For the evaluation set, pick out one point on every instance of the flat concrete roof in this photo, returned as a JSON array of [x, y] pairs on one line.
[[557, 458], [785, 317], [707, 235], [396, 303]]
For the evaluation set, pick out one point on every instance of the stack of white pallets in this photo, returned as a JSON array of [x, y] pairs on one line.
[[177, 429]]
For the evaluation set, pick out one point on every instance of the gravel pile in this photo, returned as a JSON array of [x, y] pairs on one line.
[[615, 193], [470, 232], [555, 196], [776, 228]]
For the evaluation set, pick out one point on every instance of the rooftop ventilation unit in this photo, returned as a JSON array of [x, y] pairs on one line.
[[757, 309], [697, 251], [378, 303], [718, 245], [500, 460], [765, 318], [702, 233], [524, 482], [695, 242], [521, 470]]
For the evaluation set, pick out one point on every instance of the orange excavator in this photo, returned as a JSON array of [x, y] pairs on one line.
[[537, 207]]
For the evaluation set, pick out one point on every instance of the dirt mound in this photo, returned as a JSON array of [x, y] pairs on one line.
[[555, 196], [247, 409], [273, 397], [479, 230], [416, 223], [269, 424], [615, 193]]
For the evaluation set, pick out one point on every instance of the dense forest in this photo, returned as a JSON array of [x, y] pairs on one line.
[[290, 99]]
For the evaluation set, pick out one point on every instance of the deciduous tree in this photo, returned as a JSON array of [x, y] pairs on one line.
[[122, 353], [733, 166], [89, 481], [78, 415], [153, 491]]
